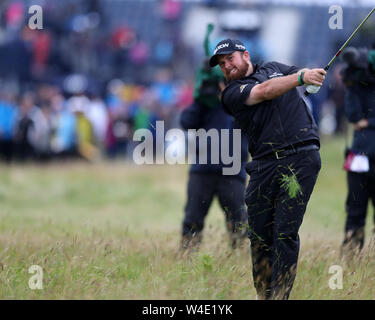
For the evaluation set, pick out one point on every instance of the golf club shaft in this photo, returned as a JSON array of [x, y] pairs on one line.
[[346, 43], [349, 39]]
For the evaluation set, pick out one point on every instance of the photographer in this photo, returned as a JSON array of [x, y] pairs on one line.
[[207, 180], [359, 79]]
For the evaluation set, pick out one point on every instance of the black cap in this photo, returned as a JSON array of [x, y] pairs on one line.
[[226, 46]]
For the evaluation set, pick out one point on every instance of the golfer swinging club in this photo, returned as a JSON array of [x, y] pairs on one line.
[[284, 145]]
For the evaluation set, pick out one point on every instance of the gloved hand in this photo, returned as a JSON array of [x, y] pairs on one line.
[[313, 79], [312, 88]]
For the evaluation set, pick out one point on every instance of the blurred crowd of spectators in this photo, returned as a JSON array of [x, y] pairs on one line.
[[79, 87], [89, 37], [83, 84], [48, 123]]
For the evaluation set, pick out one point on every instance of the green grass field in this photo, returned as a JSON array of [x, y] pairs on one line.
[[112, 231]]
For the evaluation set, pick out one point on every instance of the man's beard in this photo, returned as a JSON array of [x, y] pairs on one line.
[[240, 73]]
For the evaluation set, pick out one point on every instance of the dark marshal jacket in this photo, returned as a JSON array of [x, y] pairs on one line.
[[198, 116], [360, 103], [273, 124]]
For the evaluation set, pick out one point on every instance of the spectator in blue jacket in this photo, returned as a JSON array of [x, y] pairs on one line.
[[8, 119]]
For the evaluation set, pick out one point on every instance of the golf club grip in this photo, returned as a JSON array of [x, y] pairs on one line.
[[326, 69]]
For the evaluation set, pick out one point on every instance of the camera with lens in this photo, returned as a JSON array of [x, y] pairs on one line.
[[207, 85], [360, 66]]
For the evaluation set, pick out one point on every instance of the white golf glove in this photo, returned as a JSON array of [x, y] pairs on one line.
[[312, 88]]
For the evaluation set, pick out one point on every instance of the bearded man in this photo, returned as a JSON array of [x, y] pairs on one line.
[[284, 146]]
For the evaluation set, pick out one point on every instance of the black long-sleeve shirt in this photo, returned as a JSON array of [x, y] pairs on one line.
[[274, 124]]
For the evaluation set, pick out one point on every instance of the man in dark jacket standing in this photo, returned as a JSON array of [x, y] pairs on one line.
[[360, 161], [210, 179], [284, 144], [207, 180]]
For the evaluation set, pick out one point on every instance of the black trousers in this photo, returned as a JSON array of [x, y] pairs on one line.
[[202, 188], [361, 188], [6, 150], [277, 196]]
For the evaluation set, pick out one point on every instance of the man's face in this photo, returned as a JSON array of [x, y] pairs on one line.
[[234, 65]]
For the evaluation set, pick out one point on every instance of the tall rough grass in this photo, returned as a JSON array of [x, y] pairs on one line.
[[112, 231]]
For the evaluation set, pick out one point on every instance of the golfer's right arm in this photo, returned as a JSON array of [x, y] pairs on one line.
[[276, 87]]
